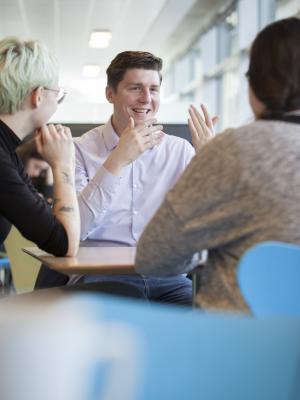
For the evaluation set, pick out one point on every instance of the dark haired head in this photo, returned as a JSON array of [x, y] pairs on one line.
[[27, 149], [128, 60], [274, 70]]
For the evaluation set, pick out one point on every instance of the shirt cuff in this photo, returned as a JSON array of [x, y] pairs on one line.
[[106, 180]]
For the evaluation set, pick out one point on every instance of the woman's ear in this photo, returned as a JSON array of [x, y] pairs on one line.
[[36, 97]]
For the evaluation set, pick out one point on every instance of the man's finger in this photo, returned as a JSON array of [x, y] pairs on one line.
[[153, 139], [198, 121], [215, 119], [192, 128], [207, 117], [150, 121], [146, 131]]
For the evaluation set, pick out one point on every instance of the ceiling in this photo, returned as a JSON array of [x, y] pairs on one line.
[[165, 27]]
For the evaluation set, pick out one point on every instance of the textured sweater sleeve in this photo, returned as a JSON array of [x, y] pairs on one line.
[[199, 213]]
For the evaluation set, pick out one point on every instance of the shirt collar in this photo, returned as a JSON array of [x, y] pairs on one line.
[[110, 137]]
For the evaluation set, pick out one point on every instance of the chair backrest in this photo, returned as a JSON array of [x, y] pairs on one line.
[[178, 354], [269, 278], [24, 268]]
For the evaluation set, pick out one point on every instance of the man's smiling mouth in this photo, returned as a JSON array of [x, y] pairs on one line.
[[141, 110]]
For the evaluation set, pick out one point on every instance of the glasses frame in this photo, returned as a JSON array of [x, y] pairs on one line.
[[61, 93]]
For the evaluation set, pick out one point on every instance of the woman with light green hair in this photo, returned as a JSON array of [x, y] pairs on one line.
[[29, 94], [24, 66]]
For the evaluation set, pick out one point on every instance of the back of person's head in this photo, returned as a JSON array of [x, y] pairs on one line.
[[274, 70], [128, 60], [24, 66]]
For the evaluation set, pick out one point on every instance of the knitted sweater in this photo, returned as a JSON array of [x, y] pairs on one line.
[[242, 188]]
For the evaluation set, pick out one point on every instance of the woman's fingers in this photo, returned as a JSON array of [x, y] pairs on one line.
[[39, 143]]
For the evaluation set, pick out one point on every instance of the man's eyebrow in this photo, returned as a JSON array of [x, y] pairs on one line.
[[141, 84], [135, 83]]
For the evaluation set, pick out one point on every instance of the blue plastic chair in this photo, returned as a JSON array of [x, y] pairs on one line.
[[269, 279], [5, 273], [182, 354]]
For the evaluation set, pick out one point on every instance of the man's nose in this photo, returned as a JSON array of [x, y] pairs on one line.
[[145, 96]]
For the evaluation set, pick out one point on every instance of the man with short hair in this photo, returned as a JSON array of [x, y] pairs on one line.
[[125, 167]]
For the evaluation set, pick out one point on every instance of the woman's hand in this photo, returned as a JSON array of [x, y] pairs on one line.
[[202, 129], [55, 144]]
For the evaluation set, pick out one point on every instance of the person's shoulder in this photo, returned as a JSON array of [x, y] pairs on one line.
[[89, 137], [257, 131], [260, 125], [91, 134], [255, 135], [233, 134]]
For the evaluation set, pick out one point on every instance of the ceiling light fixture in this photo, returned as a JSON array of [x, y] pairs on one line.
[[100, 39], [91, 71]]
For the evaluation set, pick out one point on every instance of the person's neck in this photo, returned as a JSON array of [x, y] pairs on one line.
[[117, 125], [17, 124]]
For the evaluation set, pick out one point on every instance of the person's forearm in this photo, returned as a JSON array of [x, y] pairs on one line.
[[65, 206], [95, 198], [114, 164], [162, 249]]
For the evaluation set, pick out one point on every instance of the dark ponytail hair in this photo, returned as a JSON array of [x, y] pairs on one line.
[[274, 69]]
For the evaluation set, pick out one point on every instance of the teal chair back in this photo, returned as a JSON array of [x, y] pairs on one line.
[[269, 279], [178, 354]]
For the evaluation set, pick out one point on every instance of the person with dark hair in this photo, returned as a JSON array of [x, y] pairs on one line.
[[131, 60], [125, 167], [242, 187], [36, 167], [32, 160]]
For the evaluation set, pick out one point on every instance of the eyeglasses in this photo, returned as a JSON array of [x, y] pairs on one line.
[[61, 94]]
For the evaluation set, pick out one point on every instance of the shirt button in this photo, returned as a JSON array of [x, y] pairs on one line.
[[135, 212], [135, 185]]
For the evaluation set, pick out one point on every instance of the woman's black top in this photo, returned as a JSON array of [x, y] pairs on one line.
[[20, 203]]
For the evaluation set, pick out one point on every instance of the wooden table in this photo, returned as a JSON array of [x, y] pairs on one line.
[[90, 260]]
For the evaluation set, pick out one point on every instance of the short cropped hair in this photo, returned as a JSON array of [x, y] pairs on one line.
[[128, 60], [274, 69], [24, 66]]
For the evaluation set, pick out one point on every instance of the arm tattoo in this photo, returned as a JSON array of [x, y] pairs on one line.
[[55, 201], [66, 209]]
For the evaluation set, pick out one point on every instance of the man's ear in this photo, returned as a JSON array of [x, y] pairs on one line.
[[36, 97], [109, 92]]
